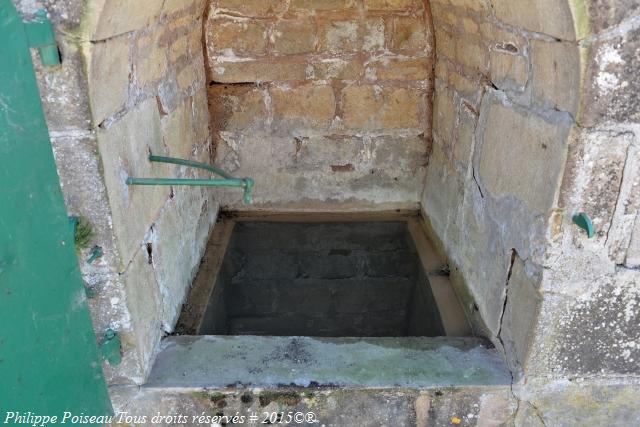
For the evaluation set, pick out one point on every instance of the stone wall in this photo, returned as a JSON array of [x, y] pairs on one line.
[[147, 91], [502, 115], [322, 102], [131, 83], [534, 121]]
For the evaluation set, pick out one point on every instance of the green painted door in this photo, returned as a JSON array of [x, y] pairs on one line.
[[49, 359]]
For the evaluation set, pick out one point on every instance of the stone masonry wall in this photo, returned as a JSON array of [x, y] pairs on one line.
[[322, 102], [502, 115], [534, 121], [131, 82], [147, 89]]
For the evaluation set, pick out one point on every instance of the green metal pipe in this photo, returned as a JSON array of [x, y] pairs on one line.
[[190, 182], [246, 183], [191, 163]]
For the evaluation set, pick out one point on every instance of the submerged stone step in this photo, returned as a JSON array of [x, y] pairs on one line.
[[257, 361]]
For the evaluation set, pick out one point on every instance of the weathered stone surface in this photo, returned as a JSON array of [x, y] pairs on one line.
[[556, 75], [333, 408], [109, 77], [597, 333], [408, 362], [303, 107], [611, 84], [603, 14], [66, 104], [525, 148], [322, 4], [408, 34], [237, 107], [256, 8], [370, 107], [340, 36], [109, 18], [509, 72], [259, 70], [150, 63], [181, 228], [520, 316], [543, 16], [589, 402], [241, 37], [124, 149], [400, 5], [399, 69], [294, 36], [142, 333], [317, 168]]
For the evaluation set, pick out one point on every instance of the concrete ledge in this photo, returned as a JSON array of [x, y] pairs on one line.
[[250, 361]]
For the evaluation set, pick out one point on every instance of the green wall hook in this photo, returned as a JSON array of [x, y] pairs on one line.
[[583, 221], [96, 253], [111, 347]]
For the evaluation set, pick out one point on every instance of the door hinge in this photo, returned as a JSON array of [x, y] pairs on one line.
[[41, 36]]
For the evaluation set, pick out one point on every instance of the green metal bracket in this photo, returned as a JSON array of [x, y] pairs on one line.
[[583, 221], [229, 181], [111, 347], [96, 253], [40, 35]]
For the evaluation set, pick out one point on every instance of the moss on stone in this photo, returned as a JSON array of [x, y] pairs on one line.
[[288, 398]]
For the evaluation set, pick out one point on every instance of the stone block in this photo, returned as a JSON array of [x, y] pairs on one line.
[[144, 303], [508, 72], [556, 75], [465, 136], [241, 37], [109, 18], [543, 16], [109, 77], [520, 316], [444, 113], [632, 259], [172, 7], [472, 55], [470, 26], [200, 117], [124, 149], [150, 62], [303, 107], [337, 68], [191, 75], [400, 69], [236, 107], [179, 49], [260, 70], [321, 4], [177, 243], [253, 8], [294, 36], [408, 34], [320, 153], [474, 5], [522, 155], [339, 36], [177, 131], [372, 107], [398, 5], [445, 43], [374, 34]]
